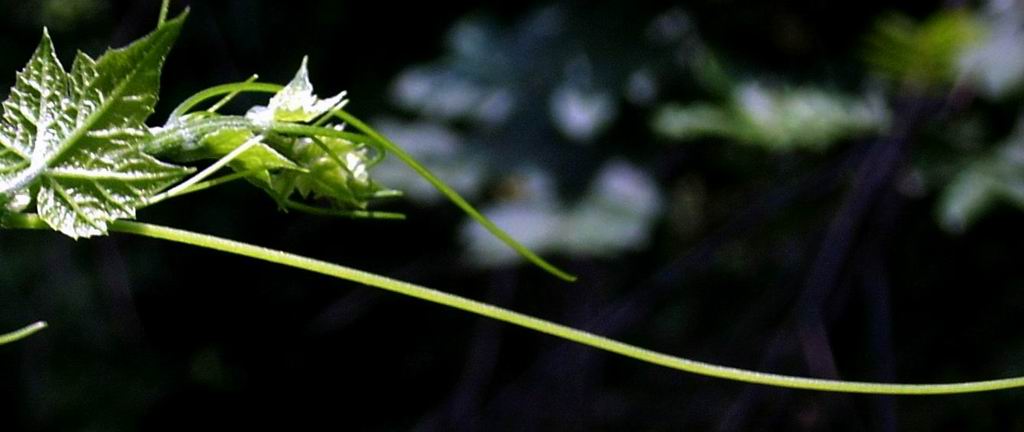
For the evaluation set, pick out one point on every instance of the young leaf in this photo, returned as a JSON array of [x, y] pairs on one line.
[[295, 102], [324, 167], [259, 160], [336, 170], [73, 140]]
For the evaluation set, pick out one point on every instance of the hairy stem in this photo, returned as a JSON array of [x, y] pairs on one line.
[[28, 221]]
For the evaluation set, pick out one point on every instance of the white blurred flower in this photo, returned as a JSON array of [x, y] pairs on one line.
[[616, 215]]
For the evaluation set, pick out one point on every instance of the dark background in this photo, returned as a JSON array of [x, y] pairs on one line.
[[814, 264]]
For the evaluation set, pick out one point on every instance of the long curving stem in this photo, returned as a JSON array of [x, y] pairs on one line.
[[454, 197], [526, 321], [23, 333]]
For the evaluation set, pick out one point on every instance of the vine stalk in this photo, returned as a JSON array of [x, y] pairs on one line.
[[23, 333], [29, 221]]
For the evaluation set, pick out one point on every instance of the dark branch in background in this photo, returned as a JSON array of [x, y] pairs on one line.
[[461, 411], [874, 177], [877, 292], [625, 313]]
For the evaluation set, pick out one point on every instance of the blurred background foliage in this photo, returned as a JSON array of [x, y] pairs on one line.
[[801, 187]]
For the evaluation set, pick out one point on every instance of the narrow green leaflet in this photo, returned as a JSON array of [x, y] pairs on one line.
[[73, 140]]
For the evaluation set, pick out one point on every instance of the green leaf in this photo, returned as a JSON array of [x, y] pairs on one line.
[[966, 199], [923, 54], [997, 178], [74, 139], [778, 119]]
